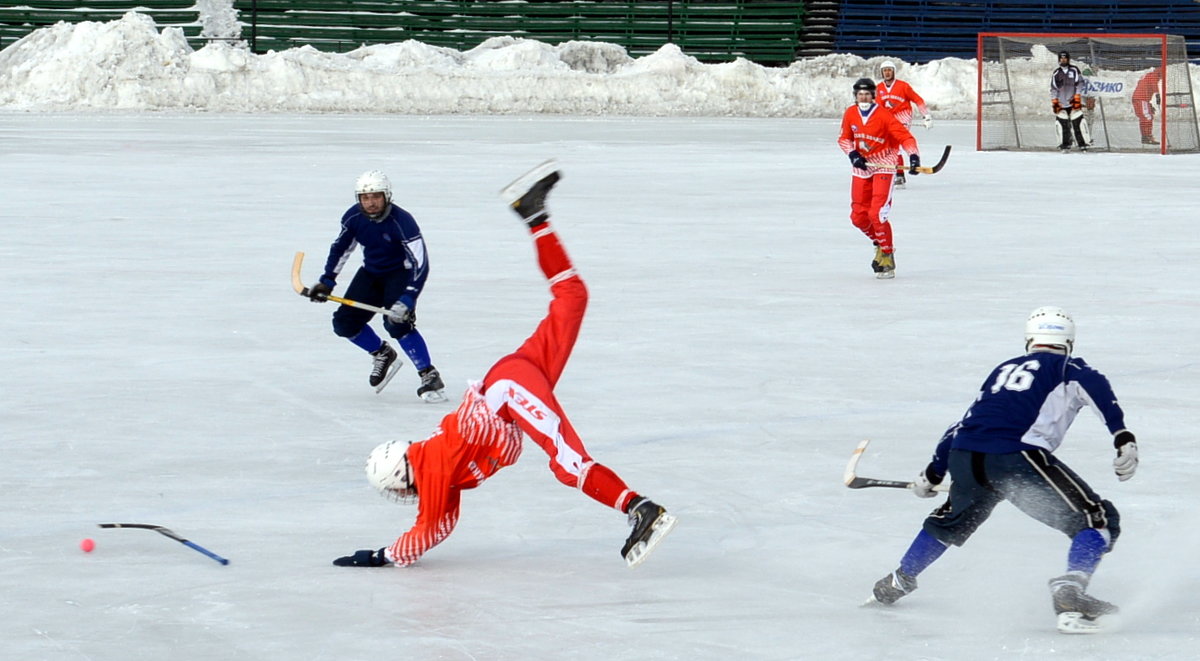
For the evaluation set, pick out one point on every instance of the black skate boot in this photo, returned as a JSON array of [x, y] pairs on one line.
[[384, 357], [431, 389], [651, 524], [527, 195], [900, 180], [1076, 610], [890, 588]]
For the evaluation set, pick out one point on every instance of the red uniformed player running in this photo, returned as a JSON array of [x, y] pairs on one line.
[[899, 97], [870, 132], [515, 398]]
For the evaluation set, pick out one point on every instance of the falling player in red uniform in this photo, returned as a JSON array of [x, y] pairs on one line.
[[515, 398], [1145, 96], [869, 131], [899, 97]]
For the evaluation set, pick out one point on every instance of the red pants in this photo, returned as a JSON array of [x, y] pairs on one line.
[[1145, 116], [870, 204], [520, 386]]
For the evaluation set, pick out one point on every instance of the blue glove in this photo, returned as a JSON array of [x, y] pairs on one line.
[[914, 162], [363, 558], [857, 160]]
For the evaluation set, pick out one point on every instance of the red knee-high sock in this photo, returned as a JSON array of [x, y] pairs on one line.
[[552, 257], [603, 485]]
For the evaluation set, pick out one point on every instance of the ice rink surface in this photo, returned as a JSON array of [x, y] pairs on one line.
[[156, 367]]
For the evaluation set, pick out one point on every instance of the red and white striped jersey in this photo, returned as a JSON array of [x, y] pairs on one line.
[[899, 98], [877, 135], [469, 446]]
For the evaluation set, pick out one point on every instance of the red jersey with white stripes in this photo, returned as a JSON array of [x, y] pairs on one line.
[[899, 98], [469, 446], [877, 135]]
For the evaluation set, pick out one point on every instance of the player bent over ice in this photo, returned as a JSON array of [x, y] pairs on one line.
[[1003, 448], [515, 398]]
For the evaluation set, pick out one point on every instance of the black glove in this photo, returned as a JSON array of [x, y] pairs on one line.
[[363, 558], [1076, 103], [319, 293], [1056, 105], [857, 160], [914, 162]]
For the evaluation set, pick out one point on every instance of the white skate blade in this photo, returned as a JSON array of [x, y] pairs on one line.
[[513, 192], [885, 275], [1076, 623], [434, 396], [642, 550], [387, 378]]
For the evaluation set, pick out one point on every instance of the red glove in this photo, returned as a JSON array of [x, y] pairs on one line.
[[1057, 106], [1076, 104]]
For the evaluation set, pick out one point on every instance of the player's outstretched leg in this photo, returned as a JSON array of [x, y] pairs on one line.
[[527, 195], [651, 524]]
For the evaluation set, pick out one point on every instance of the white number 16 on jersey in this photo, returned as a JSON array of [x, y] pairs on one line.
[[1015, 377]]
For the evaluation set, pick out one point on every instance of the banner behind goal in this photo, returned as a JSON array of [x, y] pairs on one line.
[[1013, 109]]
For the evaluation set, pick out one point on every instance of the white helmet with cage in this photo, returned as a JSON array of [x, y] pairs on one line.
[[887, 64], [373, 181], [389, 471], [1049, 328]]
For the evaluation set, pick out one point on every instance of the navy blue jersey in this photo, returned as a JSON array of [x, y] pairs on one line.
[[389, 244], [1029, 402]]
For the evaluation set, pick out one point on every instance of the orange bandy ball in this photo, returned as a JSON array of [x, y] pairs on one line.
[[87, 545]]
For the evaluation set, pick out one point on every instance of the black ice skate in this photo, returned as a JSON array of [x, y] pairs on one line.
[[651, 524], [900, 180], [386, 365], [527, 195], [432, 389], [1077, 611], [890, 588]]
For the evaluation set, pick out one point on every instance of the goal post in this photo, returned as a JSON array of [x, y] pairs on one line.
[[1139, 92]]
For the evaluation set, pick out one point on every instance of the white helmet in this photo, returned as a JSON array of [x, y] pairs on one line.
[[1050, 326], [373, 181], [390, 473], [887, 64]]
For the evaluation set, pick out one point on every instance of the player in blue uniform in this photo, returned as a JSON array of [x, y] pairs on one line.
[[395, 266], [1002, 449]]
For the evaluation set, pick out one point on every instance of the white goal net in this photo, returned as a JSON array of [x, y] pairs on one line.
[[1139, 93]]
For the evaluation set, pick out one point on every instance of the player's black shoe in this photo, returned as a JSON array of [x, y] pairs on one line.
[[651, 523], [384, 357], [1068, 592], [431, 386], [890, 588], [527, 195]]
